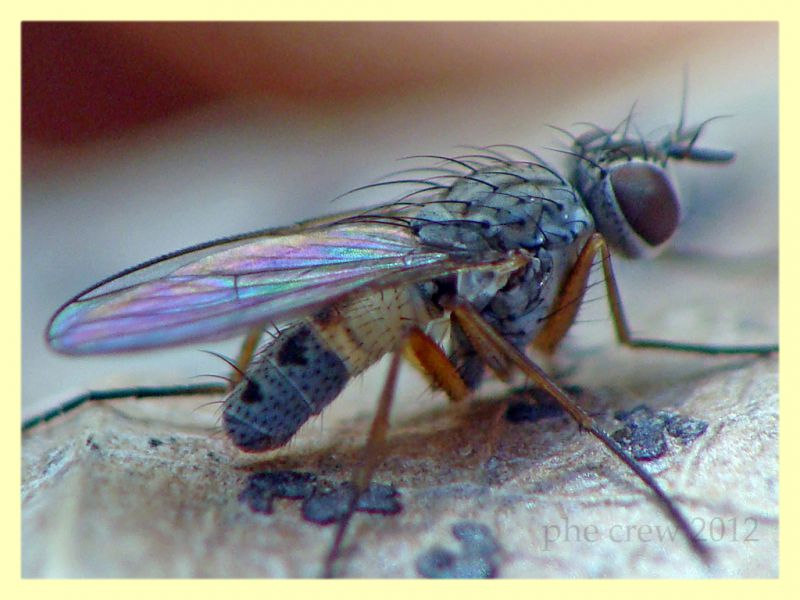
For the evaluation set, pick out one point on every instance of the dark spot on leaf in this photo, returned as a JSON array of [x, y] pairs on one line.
[[380, 499], [478, 559], [436, 563], [329, 506], [520, 412], [284, 484], [538, 404], [256, 500], [263, 487], [686, 429], [323, 502], [476, 538], [644, 431]]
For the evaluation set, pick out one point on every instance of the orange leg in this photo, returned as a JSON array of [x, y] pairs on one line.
[[568, 302], [372, 454], [246, 352], [426, 355]]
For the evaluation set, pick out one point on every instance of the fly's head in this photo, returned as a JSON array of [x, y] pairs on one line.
[[625, 182]]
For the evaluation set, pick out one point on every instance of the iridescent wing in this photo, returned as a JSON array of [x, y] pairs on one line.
[[218, 289]]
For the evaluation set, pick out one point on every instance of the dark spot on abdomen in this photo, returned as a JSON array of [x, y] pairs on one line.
[[292, 379], [250, 393], [293, 351]]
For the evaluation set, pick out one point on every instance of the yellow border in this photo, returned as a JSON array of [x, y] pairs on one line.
[[344, 10], [413, 10]]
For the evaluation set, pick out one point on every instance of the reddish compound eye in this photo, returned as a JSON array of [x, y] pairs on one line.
[[647, 199], [634, 205]]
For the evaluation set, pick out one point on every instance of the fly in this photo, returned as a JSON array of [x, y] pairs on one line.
[[499, 244]]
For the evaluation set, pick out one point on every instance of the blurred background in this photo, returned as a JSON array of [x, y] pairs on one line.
[[139, 139]]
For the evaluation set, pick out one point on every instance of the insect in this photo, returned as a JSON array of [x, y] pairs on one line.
[[498, 244]]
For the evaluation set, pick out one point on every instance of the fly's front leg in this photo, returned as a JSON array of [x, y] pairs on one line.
[[597, 244], [567, 303], [140, 392], [572, 294]]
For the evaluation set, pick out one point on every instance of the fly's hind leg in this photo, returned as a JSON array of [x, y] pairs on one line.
[[571, 295], [119, 393], [426, 355], [373, 451], [140, 392], [486, 339]]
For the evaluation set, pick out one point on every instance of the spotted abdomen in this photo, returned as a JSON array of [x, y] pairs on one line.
[[308, 364]]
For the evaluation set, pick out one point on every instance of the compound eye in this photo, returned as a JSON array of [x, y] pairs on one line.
[[647, 199]]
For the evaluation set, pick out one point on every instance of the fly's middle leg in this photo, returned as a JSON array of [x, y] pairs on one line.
[[427, 356]]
